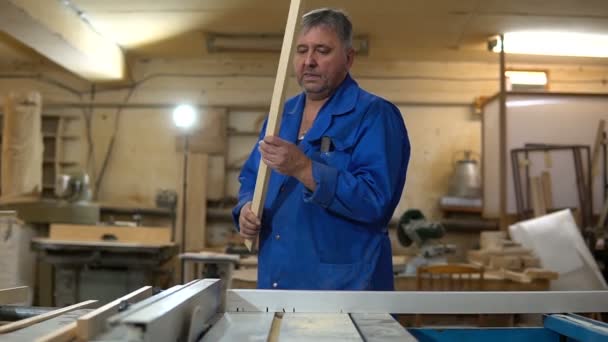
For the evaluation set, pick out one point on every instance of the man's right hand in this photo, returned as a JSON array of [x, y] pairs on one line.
[[249, 223]]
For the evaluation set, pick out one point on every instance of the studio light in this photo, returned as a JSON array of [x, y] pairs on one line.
[[184, 116]]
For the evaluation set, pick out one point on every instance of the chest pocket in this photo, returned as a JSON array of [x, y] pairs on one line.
[[339, 154]]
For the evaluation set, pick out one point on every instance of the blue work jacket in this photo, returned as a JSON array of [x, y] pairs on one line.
[[334, 238]]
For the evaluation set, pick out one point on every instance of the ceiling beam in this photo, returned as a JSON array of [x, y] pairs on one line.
[[57, 32]]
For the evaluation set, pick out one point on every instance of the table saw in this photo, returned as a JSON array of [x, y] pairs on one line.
[[200, 311]]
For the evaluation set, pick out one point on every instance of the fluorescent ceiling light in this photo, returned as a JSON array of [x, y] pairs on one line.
[[222, 42], [527, 77], [554, 43], [530, 103]]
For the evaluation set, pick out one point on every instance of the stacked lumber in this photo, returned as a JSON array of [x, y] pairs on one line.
[[508, 259]]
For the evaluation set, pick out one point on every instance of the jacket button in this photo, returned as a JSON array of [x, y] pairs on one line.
[[277, 237], [275, 284]]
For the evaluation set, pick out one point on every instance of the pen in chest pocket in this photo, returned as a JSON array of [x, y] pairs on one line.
[[326, 144]]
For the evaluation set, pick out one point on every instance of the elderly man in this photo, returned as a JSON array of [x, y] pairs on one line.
[[338, 170]]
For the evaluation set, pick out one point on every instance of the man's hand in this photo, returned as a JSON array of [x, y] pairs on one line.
[[249, 223], [283, 157]]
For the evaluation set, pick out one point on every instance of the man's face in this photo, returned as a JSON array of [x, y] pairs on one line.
[[321, 61]]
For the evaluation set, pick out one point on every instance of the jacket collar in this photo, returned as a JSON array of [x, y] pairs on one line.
[[342, 101]]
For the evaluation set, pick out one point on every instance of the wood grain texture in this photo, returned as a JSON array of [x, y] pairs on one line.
[[196, 202], [276, 106], [67, 333], [545, 178], [538, 201], [91, 324], [22, 148], [597, 148], [14, 295], [148, 235], [40, 318]]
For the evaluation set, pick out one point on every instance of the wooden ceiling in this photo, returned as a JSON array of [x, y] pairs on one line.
[[442, 30]]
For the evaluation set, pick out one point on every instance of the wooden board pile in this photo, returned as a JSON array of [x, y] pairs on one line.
[[508, 259]]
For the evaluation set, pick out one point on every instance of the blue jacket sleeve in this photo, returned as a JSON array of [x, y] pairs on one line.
[[370, 189], [247, 178]]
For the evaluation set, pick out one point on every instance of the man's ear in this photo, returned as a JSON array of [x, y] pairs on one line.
[[350, 58]]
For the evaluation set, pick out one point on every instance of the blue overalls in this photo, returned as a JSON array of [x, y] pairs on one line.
[[334, 238]]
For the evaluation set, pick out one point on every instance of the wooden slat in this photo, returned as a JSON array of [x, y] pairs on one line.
[[545, 178], [276, 106], [40, 318], [67, 333], [102, 244], [71, 232], [597, 148], [196, 202], [518, 277], [538, 203], [22, 148], [14, 295], [57, 329], [541, 273], [91, 324]]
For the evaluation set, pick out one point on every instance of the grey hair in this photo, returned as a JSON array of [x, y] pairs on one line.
[[335, 19]]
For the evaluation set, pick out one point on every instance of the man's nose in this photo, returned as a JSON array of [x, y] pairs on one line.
[[310, 60]]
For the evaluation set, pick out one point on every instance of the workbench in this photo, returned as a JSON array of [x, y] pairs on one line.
[[101, 270]]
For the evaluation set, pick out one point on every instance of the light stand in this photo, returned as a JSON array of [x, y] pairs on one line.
[[184, 118], [184, 193]]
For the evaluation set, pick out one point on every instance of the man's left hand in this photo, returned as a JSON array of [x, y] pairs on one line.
[[282, 156]]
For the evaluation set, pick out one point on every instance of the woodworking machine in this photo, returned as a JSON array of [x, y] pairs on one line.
[[414, 228], [199, 311]]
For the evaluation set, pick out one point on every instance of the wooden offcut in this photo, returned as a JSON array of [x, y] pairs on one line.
[[93, 323], [22, 149], [545, 179], [538, 201], [597, 149], [67, 333], [14, 295], [85, 233], [276, 106], [196, 202], [541, 273], [43, 317]]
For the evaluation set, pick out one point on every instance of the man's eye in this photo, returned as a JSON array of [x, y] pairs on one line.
[[323, 51], [301, 50]]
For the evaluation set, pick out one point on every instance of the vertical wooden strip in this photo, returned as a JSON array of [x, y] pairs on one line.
[[58, 148], [502, 164], [597, 149], [538, 203], [547, 189], [276, 106], [22, 150], [548, 160], [196, 202]]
